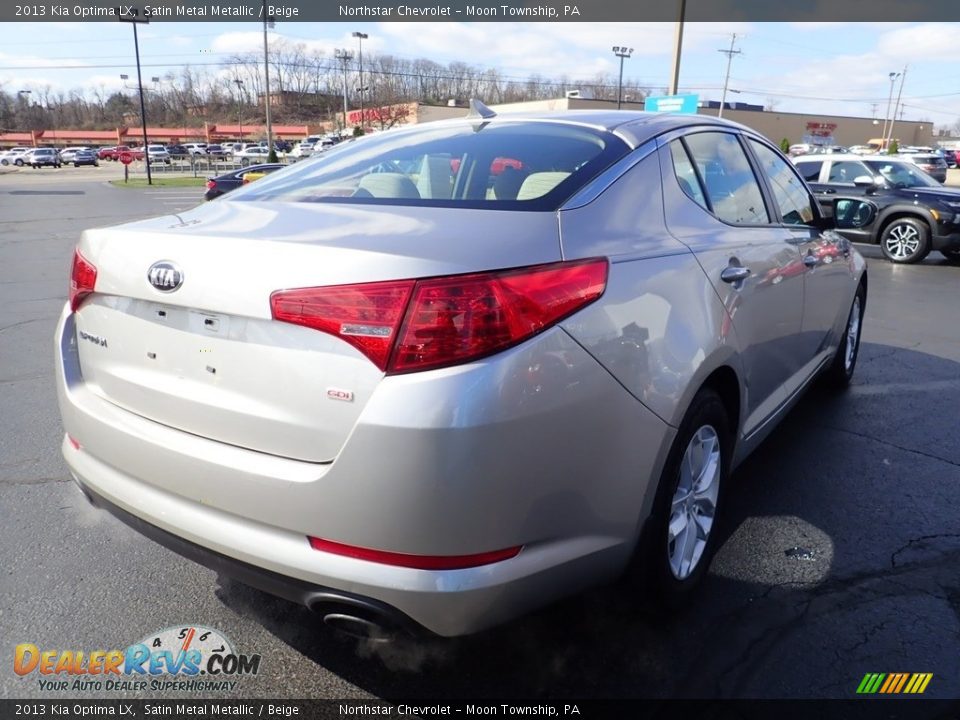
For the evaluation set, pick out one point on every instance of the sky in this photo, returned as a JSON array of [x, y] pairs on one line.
[[825, 68]]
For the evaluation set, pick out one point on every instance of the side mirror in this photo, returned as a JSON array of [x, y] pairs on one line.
[[867, 182], [850, 214]]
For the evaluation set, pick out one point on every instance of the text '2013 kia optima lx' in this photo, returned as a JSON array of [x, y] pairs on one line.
[[444, 375]]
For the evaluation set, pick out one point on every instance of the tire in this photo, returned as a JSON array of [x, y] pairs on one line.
[[673, 570], [905, 240], [952, 256], [18, 163], [840, 372], [76, 164]]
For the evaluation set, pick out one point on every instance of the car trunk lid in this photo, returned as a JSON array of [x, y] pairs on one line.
[[208, 359]]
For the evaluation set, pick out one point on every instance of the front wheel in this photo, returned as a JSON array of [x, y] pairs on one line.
[[683, 537], [18, 163], [844, 363], [905, 240]]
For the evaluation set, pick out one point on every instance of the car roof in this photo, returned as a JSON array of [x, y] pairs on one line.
[[634, 127]]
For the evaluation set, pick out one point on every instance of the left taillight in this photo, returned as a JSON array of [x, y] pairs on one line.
[[83, 279]]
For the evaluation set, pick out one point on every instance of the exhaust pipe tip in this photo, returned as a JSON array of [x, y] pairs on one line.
[[358, 627]]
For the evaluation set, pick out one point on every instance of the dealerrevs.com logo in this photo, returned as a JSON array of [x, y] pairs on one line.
[[189, 658]]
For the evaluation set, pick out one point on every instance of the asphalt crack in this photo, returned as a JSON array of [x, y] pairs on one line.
[[881, 441]]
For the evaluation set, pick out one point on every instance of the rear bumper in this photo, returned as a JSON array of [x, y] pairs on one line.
[[312, 596], [565, 473]]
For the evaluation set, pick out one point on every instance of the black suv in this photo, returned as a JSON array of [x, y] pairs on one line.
[[914, 213]]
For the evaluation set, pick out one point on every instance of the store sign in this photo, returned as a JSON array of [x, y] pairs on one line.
[[672, 103]]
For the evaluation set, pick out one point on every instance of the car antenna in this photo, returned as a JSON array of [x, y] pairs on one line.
[[479, 111]]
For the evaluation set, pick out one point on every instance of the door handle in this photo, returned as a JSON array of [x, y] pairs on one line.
[[827, 191], [810, 260], [734, 274]]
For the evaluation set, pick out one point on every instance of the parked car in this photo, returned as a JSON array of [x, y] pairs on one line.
[[410, 405], [218, 151], [931, 163], [85, 157], [66, 155], [915, 213], [113, 153], [254, 152], [40, 157], [177, 152], [196, 148], [158, 154], [14, 156], [949, 156], [217, 186]]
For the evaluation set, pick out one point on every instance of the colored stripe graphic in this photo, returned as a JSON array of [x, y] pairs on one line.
[[894, 683]]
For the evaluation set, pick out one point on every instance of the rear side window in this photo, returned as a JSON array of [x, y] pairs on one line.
[[728, 179], [789, 192], [810, 170], [507, 165], [846, 171], [686, 175]]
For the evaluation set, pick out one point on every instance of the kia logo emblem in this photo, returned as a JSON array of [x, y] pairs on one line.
[[165, 276]]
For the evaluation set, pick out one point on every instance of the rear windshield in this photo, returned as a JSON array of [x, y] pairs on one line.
[[506, 165]]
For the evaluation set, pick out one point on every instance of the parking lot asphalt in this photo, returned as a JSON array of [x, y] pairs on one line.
[[840, 551]]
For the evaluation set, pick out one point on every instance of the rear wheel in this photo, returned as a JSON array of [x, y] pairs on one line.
[[905, 240], [844, 363], [683, 538]]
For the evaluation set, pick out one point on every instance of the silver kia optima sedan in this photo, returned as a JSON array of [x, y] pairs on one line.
[[444, 375]]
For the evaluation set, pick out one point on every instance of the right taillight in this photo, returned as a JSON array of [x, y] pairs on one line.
[[407, 326], [83, 279], [211, 184]]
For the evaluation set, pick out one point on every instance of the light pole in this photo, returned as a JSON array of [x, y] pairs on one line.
[[267, 20], [886, 118], [621, 52], [344, 57], [893, 118], [134, 20], [239, 83], [360, 38]]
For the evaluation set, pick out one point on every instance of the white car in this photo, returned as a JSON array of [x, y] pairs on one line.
[[254, 152], [14, 156], [196, 148], [158, 154]]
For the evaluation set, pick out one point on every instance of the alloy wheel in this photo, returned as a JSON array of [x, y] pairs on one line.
[[902, 241], [694, 504]]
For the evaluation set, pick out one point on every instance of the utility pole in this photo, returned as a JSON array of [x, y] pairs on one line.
[[621, 52], [903, 77], [886, 118], [344, 57], [677, 46], [360, 38], [726, 80]]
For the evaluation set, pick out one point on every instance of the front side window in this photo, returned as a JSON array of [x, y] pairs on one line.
[[789, 192], [508, 165], [901, 174], [728, 179]]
